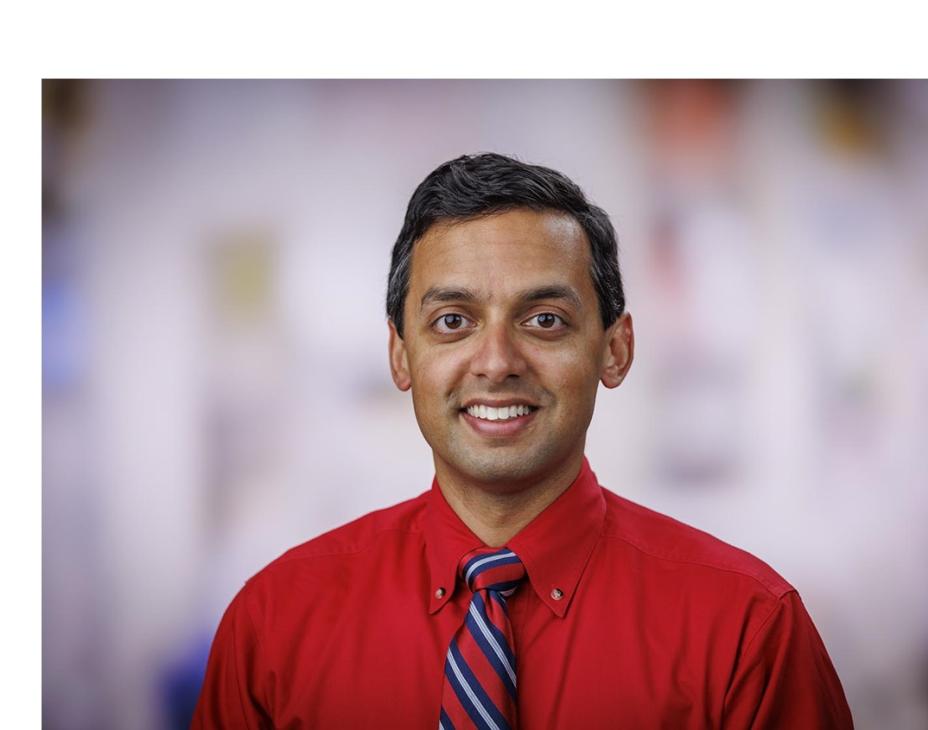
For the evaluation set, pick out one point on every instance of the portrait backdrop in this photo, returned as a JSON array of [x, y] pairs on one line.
[[215, 378]]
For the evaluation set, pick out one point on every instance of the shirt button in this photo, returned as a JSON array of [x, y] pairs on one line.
[[440, 593], [557, 594]]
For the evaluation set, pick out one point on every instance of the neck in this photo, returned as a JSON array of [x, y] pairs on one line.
[[495, 512]]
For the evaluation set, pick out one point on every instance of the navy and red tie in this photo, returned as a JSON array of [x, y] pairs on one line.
[[480, 667]]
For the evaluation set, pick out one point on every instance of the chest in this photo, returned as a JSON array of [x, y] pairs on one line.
[[379, 663]]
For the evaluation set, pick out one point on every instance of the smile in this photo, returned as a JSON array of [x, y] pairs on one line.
[[502, 421], [502, 413]]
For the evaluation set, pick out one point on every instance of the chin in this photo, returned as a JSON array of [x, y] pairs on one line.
[[501, 466]]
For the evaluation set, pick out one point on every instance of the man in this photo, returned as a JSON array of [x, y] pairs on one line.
[[516, 592]]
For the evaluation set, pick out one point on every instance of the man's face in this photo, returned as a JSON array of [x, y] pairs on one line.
[[504, 346]]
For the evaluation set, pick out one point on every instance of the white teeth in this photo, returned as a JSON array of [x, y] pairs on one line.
[[489, 413]]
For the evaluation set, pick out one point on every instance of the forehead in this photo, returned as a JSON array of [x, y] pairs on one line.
[[504, 252]]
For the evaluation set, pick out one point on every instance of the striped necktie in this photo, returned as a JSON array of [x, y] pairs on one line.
[[480, 667]]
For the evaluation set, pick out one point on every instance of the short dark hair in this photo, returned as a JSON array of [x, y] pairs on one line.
[[472, 186]]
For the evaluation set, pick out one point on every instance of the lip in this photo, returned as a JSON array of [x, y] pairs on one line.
[[497, 403], [499, 429]]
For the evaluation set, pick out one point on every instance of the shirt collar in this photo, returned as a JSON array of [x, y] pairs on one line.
[[554, 547]]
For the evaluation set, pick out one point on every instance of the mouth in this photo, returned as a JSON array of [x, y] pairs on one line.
[[499, 419], [498, 413]]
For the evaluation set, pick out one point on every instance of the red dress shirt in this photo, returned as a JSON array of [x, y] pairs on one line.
[[628, 619]]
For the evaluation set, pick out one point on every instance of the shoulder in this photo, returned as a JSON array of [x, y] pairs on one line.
[[358, 535], [659, 539], [327, 561]]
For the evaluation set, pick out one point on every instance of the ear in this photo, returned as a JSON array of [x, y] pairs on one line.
[[618, 352], [399, 362]]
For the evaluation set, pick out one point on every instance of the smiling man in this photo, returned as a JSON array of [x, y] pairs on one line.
[[516, 592]]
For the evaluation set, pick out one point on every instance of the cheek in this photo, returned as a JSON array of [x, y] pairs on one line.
[[567, 371], [435, 374]]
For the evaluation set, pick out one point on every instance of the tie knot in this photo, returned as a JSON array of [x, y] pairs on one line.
[[493, 569]]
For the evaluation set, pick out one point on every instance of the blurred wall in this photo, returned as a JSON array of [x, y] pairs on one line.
[[215, 379]]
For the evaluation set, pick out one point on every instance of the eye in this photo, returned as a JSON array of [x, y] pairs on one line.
[[546, 320], [451, 322]]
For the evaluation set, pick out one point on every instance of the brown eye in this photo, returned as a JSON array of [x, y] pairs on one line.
[[546, 321], [452, 321]]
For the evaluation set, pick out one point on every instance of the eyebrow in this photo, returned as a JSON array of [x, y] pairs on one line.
[[443, 294], [551, 291]]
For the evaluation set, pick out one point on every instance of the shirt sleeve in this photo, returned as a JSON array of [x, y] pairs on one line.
[[229, 698], [784, 677]]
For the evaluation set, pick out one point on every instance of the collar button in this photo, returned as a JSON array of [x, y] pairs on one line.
[[557, 594], [440, 593]]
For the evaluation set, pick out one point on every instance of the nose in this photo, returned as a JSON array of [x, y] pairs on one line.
[[497, 356]]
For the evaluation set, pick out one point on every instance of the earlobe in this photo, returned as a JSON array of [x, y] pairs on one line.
[[399, 363], [619, 351]]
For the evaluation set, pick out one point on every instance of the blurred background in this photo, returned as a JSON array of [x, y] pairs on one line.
[[215, 380]]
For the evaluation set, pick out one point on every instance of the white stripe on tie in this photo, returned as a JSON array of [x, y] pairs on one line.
[[489, 559], [470, 692], [492, 641]]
